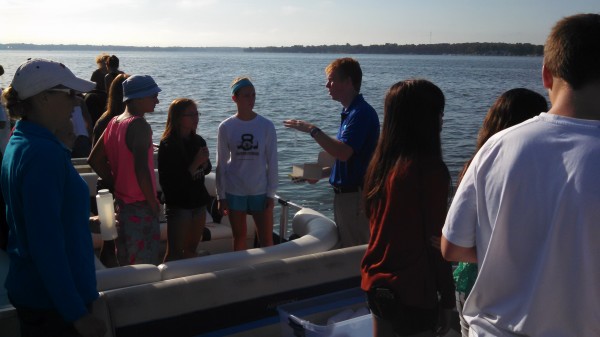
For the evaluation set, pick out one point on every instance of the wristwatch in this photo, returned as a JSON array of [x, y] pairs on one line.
[[314, 131]]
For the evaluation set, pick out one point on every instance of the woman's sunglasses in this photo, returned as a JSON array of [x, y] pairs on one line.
[[72, 93]]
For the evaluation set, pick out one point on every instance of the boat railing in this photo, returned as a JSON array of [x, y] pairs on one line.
[[284, 216]]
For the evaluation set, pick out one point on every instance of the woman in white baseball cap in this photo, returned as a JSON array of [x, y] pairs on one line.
[[52, 279]]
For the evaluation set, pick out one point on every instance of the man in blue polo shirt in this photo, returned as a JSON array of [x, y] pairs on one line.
[[352, 148]]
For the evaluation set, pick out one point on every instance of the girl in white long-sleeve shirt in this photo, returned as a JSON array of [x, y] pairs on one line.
[[247, 167]]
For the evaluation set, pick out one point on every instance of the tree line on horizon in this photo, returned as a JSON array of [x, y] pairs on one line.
[[89, 47], [474, 48]]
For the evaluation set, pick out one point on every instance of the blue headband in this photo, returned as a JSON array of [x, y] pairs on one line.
[[240, 84]]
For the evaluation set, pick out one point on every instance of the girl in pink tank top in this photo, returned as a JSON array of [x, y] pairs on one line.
[[123, 158]]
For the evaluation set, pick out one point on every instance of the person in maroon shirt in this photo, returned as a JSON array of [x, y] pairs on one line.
[[406, 199]]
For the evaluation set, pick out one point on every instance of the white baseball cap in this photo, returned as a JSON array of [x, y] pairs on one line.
[[37, 75]]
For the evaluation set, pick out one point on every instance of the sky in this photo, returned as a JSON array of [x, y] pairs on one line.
[[259, 23]]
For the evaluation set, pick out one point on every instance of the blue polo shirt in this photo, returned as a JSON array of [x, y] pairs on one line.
[[360, 130], [47, 210]]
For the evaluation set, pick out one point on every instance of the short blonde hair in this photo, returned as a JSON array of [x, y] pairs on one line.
[[344, 68], [237, 79], [101, 59], [236, 85], [572, 52]]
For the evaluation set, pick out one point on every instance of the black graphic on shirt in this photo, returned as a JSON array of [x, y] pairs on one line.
[[247, 143]]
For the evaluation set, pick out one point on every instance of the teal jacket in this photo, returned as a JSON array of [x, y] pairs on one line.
[[47, 210]]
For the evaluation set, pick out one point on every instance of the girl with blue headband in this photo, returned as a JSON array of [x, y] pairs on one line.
[[246, 171]]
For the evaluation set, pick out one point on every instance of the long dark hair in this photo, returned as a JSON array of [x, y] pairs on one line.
[[176, 110], [114, 107], [411, 129], [511, 108]]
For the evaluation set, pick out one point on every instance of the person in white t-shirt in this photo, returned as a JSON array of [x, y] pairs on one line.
[[82, 129], [247, 174], [528, 207]]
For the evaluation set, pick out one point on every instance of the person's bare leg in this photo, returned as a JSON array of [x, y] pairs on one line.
[[264, 226], [175, 237], [108, 254], [237, 219], [194, 235]]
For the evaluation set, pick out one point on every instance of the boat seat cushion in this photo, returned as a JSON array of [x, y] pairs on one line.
[[126, 276]]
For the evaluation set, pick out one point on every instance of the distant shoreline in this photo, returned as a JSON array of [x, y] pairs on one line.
[[107, 48], [475, 48]]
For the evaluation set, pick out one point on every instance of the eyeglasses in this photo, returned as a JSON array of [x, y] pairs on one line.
[[193, 114], [72, 93]]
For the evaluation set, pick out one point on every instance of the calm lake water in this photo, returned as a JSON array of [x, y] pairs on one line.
[[293, 86]]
